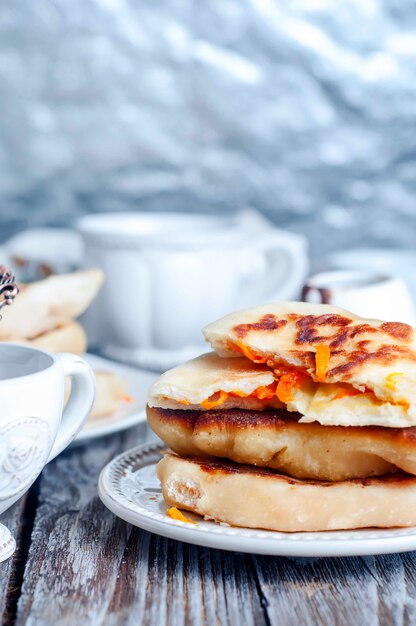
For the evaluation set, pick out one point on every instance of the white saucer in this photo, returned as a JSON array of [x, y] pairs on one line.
[[128, 486], [138, 383]]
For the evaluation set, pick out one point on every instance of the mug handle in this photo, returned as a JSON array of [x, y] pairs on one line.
[[80, 401], [281, 259], [323, 294]]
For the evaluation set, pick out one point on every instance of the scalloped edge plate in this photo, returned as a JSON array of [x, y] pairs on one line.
[[128, 486]]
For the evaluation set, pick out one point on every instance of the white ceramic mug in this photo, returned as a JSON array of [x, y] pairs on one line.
[[169, 274], [34, 427], [365, 293]]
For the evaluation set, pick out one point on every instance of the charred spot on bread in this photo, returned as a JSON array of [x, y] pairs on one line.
[[384, 355], [353, 343], [311, 326], [268, 323], [398, 330]]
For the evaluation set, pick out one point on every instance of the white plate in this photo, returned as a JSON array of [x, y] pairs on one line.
[[138, 383], [128, 486]]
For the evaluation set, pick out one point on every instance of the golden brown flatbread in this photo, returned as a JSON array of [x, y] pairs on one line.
[[242, 495], [328, 344], [276, 439]]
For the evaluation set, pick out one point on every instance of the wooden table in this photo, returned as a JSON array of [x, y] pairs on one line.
[[78, 565]]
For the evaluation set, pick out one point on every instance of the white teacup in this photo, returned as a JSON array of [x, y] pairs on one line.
[[365, 293], [400, 263], [34, 427], [169, 274]]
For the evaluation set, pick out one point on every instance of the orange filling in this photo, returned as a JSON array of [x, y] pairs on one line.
[[322, 356], [347, 391], [218, 399], [287, 379], [175, 513], [250, 354], [281, 388], [287, 383]]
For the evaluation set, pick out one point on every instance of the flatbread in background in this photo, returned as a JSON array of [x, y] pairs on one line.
[[68, 338], [110, 394], [47, 304], [365, 353]]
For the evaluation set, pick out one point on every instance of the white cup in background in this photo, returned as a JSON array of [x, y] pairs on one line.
[[400, 263], [168, 274], [365, 293]]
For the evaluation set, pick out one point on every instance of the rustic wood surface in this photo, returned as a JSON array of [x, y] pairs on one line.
[[77, 564]]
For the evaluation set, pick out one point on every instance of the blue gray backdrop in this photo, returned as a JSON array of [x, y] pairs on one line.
[[304, 109]]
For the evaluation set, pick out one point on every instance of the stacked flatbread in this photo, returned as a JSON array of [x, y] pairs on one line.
[[44, 316], [303, 419]]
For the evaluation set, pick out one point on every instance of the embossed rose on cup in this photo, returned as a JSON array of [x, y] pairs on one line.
[[24, 449], [34, 426]]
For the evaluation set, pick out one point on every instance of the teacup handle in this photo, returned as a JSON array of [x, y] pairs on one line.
[[80, 401], [281, 259]]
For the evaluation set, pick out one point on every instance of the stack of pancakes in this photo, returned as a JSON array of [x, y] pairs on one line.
[[303, 419]]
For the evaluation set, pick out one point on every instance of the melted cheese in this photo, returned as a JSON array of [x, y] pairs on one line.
[[391, 380]]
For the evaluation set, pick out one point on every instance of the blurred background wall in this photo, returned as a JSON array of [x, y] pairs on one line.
[[304, 109]]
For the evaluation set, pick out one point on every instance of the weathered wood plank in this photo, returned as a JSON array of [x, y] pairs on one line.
[[10, 569], [175, 584], [397, 588], [76, 543], [321, 592], [86, 566]]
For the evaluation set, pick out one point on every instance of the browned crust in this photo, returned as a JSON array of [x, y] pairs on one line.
[[220, 467], [239, 418], [398, 330], [273, 418], [310, 325], [350, 343], [267, 323]]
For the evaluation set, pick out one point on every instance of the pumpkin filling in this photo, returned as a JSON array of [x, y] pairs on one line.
[[283, 388], [288, 380]]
